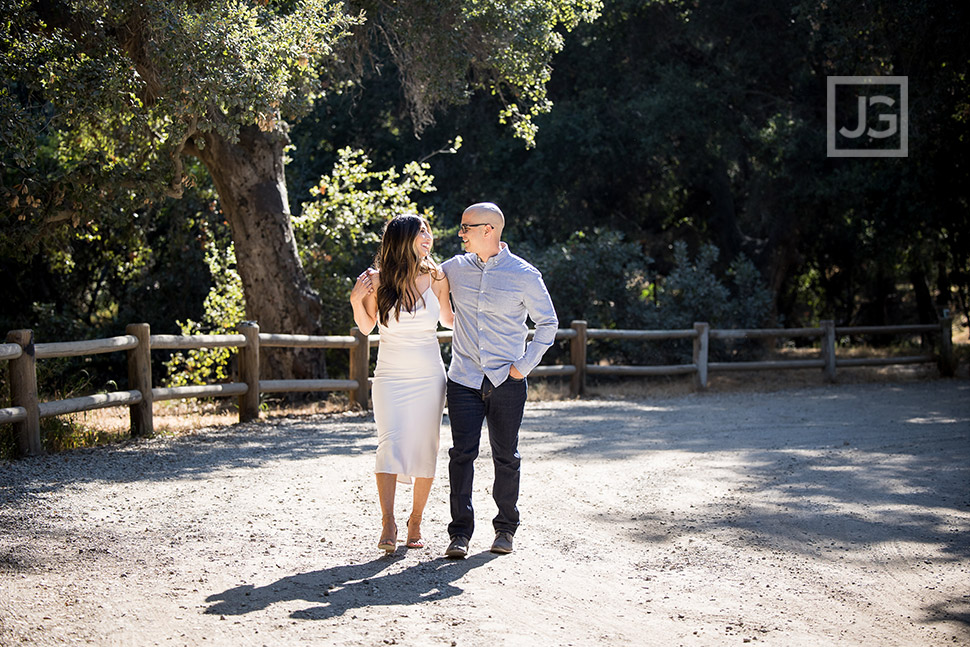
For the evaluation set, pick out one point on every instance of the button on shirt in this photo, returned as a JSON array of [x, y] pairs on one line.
[[492, 300]]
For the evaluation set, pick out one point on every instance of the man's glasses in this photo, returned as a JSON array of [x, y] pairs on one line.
[[464, 228]]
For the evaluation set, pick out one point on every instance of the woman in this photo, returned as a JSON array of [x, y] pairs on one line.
[[406, 297]]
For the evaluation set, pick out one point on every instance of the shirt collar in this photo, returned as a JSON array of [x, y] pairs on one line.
[[503, 254]]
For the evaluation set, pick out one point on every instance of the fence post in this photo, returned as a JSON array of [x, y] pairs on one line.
[[577, 356], [828, 348], [947, 364], [23, 393], [701, 351], [360, 368], [140, 379], [249, 371]]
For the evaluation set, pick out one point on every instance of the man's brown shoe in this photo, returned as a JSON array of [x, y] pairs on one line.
[[503, 543]]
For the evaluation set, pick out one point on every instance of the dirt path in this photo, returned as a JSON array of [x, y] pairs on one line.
[[822, 516]]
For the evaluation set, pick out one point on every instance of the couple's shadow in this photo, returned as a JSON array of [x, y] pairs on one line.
[[334, 591]]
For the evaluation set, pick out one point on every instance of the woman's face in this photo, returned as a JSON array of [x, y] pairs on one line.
[[423, 242]]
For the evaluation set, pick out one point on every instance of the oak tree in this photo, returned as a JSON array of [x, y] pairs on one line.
[[103, 101]]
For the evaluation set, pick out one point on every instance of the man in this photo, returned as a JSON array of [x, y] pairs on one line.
[[493, 291]]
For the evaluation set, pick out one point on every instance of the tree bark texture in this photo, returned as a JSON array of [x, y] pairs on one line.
[[779, 255], [249, 176]]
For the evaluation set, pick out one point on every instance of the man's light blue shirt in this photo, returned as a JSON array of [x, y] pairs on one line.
[[492, 300]]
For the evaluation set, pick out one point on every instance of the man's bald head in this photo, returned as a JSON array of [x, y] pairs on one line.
[[487, 212]]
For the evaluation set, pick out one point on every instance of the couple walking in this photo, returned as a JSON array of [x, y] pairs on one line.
[[406, 296]]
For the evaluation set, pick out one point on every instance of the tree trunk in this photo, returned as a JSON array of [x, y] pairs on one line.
[[777, 253], [943, 287], [924, 300], [723, 215], [249, 177]]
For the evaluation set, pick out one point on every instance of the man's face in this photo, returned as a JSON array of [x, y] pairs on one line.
[[472, 231]]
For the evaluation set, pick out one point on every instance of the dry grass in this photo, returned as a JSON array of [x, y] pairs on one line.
[[764, 380], [751, 381], [177, 417]]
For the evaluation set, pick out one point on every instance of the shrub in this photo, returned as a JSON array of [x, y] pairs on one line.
[[603, 279], [339, 231], [598, 277], [224, 309]]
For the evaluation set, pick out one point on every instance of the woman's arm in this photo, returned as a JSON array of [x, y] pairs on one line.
[[363, 298], [442, 290]]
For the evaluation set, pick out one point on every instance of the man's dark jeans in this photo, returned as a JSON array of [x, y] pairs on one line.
[[502, 407]]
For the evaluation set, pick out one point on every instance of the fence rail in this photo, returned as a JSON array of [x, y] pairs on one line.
[[25, 412]]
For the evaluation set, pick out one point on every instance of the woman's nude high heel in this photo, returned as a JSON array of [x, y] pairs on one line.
[[388, 540], [414, 537]]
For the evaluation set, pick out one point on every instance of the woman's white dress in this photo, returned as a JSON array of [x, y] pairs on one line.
[[409, 392]]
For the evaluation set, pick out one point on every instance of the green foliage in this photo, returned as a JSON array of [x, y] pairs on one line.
[[750, 303], [705, 122], [606, 280], [99, 100], [337, 236], [102, 102], [446, 51], [339, 231], [599, 277], [224, 310], [692, 292], [62, 433], [96, 282], [528, 32], [674, 121], [60, 379]]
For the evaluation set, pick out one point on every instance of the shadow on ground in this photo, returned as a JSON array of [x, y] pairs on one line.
[[334, 591], [825, 472], [193, 455]]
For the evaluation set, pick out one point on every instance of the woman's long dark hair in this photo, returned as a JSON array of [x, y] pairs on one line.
[[400, 267]]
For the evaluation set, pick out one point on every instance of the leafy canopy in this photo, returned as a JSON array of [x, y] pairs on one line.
[[99, 99], [338, 231]]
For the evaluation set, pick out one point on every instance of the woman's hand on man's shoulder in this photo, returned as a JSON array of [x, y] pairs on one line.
[[374, 276]]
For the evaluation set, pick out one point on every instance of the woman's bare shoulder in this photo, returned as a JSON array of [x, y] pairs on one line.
[[439, 282]]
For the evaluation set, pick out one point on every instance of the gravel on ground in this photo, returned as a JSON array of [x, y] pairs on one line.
[[828, 515]]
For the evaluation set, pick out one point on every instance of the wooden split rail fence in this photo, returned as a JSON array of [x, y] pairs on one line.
[[25, 412]]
